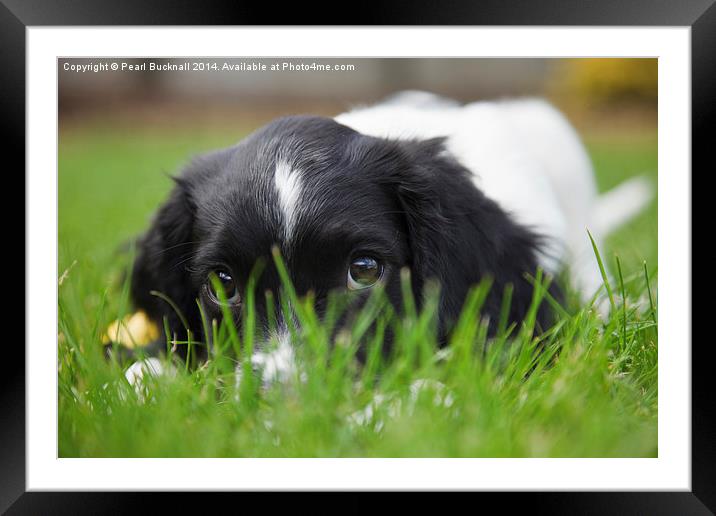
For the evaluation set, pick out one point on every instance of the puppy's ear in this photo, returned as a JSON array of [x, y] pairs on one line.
[[459, 236], [162, 253]]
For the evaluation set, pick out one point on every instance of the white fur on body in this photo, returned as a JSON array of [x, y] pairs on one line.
[[524, 155]]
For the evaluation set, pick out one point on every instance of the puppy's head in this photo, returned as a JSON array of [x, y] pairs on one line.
[[347, 212]]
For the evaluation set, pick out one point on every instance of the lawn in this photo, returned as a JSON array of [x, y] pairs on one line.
[[590, 392]]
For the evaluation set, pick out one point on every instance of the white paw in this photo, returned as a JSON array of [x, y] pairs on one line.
[[150, 366]]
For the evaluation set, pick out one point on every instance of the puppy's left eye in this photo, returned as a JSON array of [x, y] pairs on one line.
[[228, 285], [364, 272]]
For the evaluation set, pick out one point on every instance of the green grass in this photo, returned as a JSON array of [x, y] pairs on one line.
[[592, 392]]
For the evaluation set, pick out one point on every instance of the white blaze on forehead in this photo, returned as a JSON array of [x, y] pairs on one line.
[[288, 186]]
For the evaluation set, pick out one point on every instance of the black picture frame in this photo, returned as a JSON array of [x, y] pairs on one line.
[[699, 15]]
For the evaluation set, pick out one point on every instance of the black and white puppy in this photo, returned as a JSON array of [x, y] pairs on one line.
[[455, 193]]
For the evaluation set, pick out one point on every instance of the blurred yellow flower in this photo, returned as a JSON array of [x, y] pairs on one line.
[[606, 81], [133, 330]]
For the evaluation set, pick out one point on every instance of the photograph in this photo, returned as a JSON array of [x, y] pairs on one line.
[[357, 257]]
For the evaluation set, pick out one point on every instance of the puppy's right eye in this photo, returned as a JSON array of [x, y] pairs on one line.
[[364, 272], [231, 290]]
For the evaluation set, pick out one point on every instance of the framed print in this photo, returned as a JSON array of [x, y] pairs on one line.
[[360, 257]]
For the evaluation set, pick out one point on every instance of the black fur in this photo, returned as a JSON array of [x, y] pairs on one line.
[[405, 202]]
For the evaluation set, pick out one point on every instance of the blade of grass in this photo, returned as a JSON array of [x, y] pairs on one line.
[[648, 289], [624, 303], [603, 272]]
